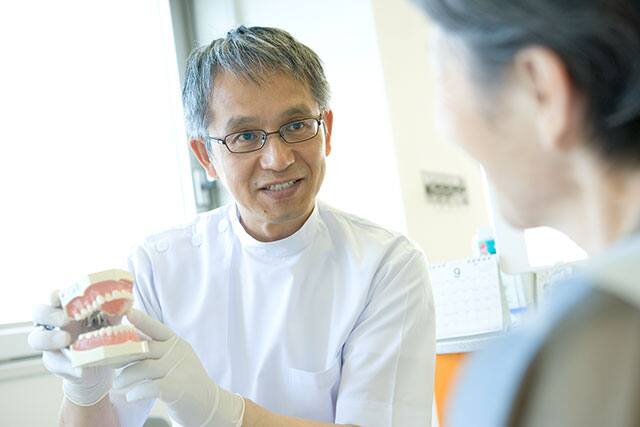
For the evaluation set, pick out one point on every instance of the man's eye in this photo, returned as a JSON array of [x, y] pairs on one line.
[[295, 126], [244, 138], [247, 137]]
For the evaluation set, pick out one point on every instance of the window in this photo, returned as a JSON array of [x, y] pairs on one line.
[[93, 154], [523, 251]]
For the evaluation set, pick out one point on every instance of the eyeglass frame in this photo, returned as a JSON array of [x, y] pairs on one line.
[[265, 135]]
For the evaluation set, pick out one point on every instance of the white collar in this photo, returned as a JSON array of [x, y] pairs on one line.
[[280, 248]]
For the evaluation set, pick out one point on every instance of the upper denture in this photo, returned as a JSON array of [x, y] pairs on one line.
[[109, 296]]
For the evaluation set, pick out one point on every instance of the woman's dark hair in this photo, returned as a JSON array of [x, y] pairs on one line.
[[598, 41]]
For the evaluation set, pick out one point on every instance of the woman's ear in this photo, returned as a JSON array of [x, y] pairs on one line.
[[554, 97]]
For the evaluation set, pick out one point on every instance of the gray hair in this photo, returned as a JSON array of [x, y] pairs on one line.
[[252, 53], [598, 41]]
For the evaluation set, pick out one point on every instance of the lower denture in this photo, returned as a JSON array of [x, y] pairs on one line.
[[105, 340]]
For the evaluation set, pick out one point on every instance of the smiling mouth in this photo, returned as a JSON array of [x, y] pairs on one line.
[[281, 186]]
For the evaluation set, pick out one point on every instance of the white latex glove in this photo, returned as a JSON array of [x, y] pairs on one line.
[[82, 386], [172, 372]]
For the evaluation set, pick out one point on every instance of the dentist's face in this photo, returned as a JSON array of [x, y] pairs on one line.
[[276, 185]]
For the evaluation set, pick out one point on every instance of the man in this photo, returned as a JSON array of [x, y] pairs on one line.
[[310, 315]]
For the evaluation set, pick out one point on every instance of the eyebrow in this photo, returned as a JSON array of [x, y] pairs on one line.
[[296, 109], [236, 122]]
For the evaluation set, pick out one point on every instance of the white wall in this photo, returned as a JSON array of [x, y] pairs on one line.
[[444, 233]]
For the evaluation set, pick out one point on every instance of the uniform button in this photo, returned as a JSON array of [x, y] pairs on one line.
[[223, 225], [162, 246]]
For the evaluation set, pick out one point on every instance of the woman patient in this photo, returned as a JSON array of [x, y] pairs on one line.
[[546, 95]]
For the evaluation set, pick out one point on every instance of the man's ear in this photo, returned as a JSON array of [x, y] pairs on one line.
[[200, 151], [555, 99], [328, 126]]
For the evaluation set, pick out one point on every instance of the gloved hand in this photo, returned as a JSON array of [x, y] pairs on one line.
[[172, 372], [53, 333]]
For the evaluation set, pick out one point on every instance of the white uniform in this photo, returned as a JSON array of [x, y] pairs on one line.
[[334, 323]]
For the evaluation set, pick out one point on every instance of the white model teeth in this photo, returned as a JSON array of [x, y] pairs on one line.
[[116, 295], [94, 306], [280, 187], [108, 331]]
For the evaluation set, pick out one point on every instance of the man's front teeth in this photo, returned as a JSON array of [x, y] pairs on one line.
[[280, 187]]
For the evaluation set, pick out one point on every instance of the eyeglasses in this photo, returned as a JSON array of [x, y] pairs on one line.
[[247, 141]]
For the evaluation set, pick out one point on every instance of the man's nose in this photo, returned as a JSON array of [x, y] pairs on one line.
[[276, 155]]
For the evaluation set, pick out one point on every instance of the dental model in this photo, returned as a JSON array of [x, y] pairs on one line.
[[92, 300]]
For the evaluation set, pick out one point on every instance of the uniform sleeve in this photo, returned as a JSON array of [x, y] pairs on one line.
[[144, 291], [389, 358], [145, 299]]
